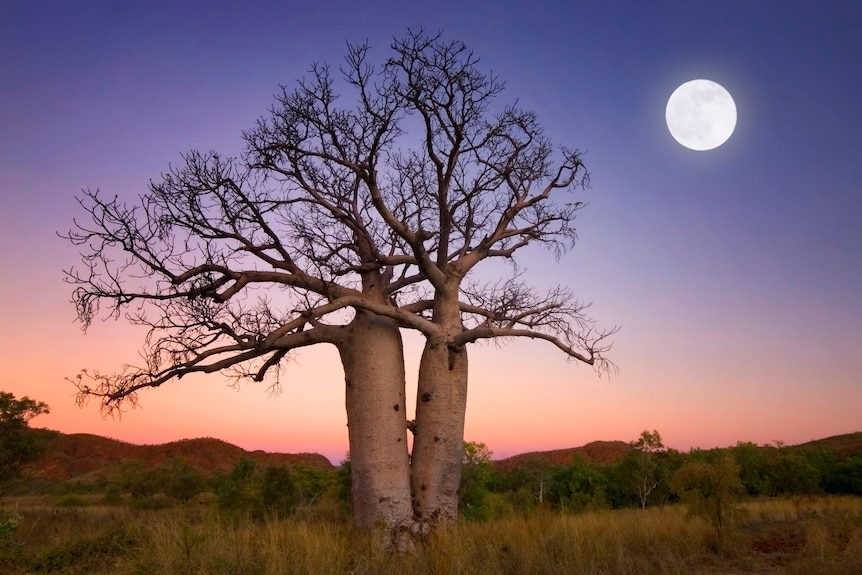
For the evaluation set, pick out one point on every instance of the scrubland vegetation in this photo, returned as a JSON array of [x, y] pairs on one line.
[[748, 509], [649, 509], [773, 536]]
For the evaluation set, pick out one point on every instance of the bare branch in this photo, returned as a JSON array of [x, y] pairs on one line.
[[383, 202]]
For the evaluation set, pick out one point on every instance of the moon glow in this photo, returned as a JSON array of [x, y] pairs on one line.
[[701, 115]]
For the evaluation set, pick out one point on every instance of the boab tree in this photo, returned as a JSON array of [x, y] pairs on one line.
[[342, 224]]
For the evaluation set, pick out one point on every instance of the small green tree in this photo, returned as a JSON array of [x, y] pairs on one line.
[[278, 491], [792, 475], [539, 475], [579, 486], [139, 480], [18, 444], [239, 493], [848, 475], [476, 472], [754, 467], [183, 481], [310, 482], [641, 466], [521, 489], [711, 489]]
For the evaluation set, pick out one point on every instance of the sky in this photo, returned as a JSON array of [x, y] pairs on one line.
[[735, 274]]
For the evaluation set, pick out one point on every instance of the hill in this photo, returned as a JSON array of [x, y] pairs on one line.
[[610, 451], [594, 452], [842, 445], [82, 456], [85, 457]]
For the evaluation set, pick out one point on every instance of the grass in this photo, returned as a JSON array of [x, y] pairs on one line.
[[821, 536]]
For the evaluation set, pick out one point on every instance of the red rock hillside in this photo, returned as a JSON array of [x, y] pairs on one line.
[[595, 452], [82, 456]]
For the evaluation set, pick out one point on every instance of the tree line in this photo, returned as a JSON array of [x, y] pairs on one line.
[[709, 481], [650, 474]]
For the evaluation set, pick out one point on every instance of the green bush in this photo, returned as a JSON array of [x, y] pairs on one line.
[[239, 493], [578, 487], [792, 475], [183, 481], [113, 495], [310, 482], [135, 478], [711, 489], [278, 491], [476, 472]]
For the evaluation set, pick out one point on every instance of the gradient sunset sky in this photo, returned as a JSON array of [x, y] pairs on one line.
[[735, 274]]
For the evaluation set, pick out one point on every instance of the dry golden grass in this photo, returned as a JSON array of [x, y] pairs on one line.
[[822, 536]]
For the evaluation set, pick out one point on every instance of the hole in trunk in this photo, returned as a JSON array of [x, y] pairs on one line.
[[396, 407], [426, 397]]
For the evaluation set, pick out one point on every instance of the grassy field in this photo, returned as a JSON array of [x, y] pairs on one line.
[[822, 536]]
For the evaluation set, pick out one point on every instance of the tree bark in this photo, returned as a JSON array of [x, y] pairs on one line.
[[373, 360], [441, 404]]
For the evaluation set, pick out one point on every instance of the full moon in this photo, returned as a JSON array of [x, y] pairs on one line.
[[701, 115]]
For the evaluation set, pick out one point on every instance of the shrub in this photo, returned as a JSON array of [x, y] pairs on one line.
[[183, 481], [239, 492], [278, 491], [476, 470], [710, 489], [310, 482], [794, 476], [134, 477], [113, 495]]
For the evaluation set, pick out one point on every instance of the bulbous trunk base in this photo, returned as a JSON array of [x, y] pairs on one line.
[[373, 359], [441, 404]]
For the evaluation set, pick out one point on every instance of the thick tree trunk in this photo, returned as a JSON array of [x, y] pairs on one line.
[[441, 403], [373, 359]]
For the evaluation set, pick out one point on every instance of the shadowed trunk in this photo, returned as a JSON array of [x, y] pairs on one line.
[[373, 360], [441, 404]]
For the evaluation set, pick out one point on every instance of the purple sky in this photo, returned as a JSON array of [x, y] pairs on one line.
[[736, 273]]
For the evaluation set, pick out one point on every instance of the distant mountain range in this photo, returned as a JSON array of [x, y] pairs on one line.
[[84, 457]]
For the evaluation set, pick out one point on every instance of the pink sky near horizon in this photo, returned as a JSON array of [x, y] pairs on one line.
[[735, 274]]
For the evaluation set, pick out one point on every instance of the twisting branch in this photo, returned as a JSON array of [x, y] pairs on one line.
[[510, 308], [385, 202]]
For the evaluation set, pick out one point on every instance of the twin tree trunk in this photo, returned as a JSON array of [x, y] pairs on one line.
[[438, 446], [388, 486], [373, 359]]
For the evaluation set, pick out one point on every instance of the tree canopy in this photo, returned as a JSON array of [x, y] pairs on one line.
[[16, 445]]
